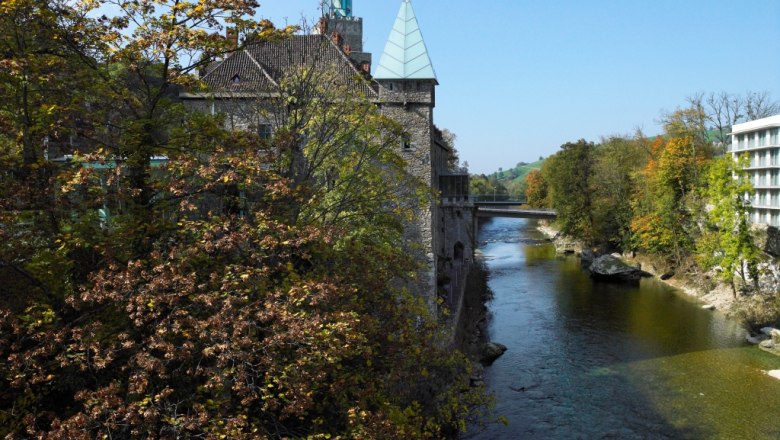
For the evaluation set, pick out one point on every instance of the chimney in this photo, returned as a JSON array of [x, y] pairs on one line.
[[337, 39], [231, 35], [322, 27]]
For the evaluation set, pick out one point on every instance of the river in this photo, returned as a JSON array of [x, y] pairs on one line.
[[594, 360]]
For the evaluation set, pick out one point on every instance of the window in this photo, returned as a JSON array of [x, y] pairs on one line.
[[775, 136], [265, 131], [751, 140], [762, 138], [741, 141]]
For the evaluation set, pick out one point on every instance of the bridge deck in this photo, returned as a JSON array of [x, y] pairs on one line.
[[499, 203], [516, 213]]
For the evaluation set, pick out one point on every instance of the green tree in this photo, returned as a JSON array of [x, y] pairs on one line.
[[618, 161], [568, 174], [727, 244]]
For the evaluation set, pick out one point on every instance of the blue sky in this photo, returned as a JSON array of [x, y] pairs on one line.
[[518, 78]]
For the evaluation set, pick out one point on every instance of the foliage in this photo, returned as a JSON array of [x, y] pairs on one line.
[[727, 244], [568, 175], [487, 187], [667, 207], [220, 298], [618, 161], [536, 189]]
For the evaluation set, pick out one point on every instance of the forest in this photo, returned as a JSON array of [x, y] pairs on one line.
[[680, 197], [162, 276]]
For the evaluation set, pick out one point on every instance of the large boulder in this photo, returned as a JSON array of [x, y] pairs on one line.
[[609, 267], [492, 351]]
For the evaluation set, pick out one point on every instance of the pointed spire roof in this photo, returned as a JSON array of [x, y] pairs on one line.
[[405, 55]]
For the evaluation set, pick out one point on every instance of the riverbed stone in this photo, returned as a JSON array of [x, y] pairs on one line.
[[775, 335], [492, 351], [613, 268], [755, 340], [587, 256]]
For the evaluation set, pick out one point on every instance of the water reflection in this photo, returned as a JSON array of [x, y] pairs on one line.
[[601, 360]]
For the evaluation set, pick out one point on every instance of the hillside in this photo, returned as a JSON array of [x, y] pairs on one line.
[[518, 173]]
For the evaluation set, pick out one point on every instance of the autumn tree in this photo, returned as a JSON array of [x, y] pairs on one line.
[[670, 201], [246, 301], [536, 189]]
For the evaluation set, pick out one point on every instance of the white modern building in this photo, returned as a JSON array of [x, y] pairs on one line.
[[761, 140]]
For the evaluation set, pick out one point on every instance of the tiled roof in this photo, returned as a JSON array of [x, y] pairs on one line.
[[260, 66], [405, 55], [239, 73]]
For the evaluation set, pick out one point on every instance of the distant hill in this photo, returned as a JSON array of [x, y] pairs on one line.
[[517, 173]]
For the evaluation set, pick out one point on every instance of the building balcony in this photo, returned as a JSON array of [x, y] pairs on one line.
[[735, 148], [765, 206]]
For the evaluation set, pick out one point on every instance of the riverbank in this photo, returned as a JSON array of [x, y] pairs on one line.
[[596, 359], [704, 289]]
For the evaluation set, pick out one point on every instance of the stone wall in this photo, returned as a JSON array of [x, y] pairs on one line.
[[420, 240], [443, 234]]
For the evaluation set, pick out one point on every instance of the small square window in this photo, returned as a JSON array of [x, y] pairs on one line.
[[265, 131]]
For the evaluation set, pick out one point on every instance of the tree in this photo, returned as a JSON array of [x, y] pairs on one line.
[[760, 105], [618, 161], [245, 302], [453, 159], [723, 110], [727, 244], [536, 189], [669, 201], [568, 175]]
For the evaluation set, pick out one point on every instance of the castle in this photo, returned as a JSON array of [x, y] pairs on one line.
[[403, 87]]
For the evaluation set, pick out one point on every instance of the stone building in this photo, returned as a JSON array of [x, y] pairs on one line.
[[403, 87]]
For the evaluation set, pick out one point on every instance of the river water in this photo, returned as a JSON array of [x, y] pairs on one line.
[[594, 360]]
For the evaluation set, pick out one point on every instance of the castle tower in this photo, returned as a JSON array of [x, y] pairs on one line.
[[407, 95], [337, 18]]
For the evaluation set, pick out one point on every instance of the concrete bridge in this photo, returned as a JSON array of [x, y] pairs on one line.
[[509, 208], [483, 211]]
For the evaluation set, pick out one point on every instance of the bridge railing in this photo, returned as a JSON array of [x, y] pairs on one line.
[[498, 198]]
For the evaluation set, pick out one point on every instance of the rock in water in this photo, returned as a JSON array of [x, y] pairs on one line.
[[587, 256], [611, 268], [774, 373], [492, 351]]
